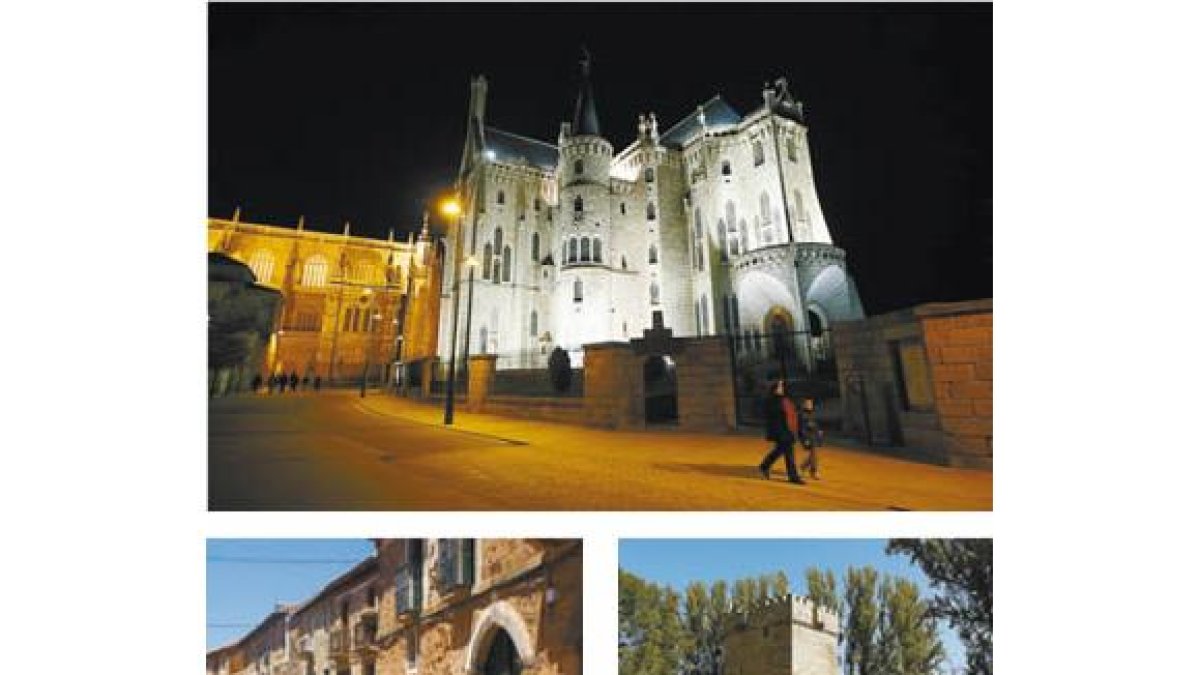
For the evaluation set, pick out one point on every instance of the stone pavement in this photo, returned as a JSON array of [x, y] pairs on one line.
[[558, 466]]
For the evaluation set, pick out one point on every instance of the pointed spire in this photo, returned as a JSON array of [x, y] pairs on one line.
[[300, 225], [425, 228], [653, 128], [700, 116], [587, 122], [391, 235], [346, 229], [237, 213]]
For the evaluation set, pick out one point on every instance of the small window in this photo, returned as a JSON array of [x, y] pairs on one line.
[[653, 292], [624, 264], [586, 250], [496, 272], [533, 324], [507, 264], [726, 168], [500, 197], [578, 166], [791, 149], [574, 250], [651, 213], [487, 261], [578, 290], [537, 204], [596, 249], [622, 208], [653, 254], [649, 174], [499, 240], [579, 204], [758, 153], [535, 253]]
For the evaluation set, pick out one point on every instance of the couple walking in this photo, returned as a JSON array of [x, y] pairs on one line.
[[784, 425]]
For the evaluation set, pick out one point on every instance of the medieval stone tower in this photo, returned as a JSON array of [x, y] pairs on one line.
[[787, 635], [713, 225]]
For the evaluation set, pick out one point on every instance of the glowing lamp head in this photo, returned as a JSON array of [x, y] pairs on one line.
[[450, 207]]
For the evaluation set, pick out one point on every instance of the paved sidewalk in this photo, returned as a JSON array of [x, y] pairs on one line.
[[559, 466]]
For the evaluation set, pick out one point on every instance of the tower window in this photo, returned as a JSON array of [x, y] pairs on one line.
[[622, 208], [579, 204], [578, 166], [499, 239], [653, 292], [726, 168], [649, 174], [533, 324], [537, 204], [500, 197], [651, 213], [578, 290], [533, 247], [653, 254], [574, 250], [507, 263], [487, 261], [791, 149], [596, 249]]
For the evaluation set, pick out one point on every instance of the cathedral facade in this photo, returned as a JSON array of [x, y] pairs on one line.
[[711, 226]]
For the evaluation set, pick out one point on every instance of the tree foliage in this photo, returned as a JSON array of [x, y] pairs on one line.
[[961, 573]]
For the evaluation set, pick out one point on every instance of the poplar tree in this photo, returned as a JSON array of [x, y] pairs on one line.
[[822, 590], [908, 640], [861, 624], [780, 585]]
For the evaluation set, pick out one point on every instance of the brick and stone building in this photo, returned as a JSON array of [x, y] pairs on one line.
[[714, 224], [345, 299], [430, 607], [786, 635]]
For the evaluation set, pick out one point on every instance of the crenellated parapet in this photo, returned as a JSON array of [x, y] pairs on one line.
[[786, 610]]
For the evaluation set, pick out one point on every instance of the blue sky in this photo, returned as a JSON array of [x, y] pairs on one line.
[[247, 577], [679, 561]]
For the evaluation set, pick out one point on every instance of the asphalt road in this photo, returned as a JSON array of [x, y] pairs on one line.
[[335, 451]]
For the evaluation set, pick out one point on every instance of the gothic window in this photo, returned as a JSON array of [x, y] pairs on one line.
[[533, 324], [653, 254], [726, 168], [791, 148], [622, 208], [651, 214], [574, 250], [585, 253], [455, 562], [624, 264], [768, 227], [734, 249], [704, 315], [315, 272], [649, 174], [758, 153], [537, 204], [496, 271], [723, 239], [534, 246], [500, 197], [653, 292], [579, 204], [578, 288], [487, 261], [596, 249], [499, 240], [409, 579], [262, 263], [578, 166], [507, 264], [563, 260]]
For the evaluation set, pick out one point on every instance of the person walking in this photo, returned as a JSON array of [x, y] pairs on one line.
[[294, 380], [256, 383], [782, 426], [811, 437], [317, 383]]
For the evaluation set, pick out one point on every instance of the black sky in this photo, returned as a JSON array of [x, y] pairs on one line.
[[357, 112]]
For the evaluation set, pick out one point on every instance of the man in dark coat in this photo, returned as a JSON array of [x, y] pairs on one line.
[[782, 426]]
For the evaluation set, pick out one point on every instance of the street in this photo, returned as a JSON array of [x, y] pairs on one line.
[[336, 451]]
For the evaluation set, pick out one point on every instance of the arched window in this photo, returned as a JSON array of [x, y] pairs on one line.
[[496, 271], [578, 166], [533, 324], [622, 208], [487, 261], [764, 214], [534, 246], [758, 153], [365, 272], [574, 250], [262, 263], [649, 174], [791, 148], [734, 248], [624, 264], [726, 168], [585, 253], [537, 204], [596, 249], [579, 204], [653, 254], [651, 214], [507, 263], [500, 197], [315, 272], [723, 239], [578, 288], [653, 292], [498, 240], [563, 259]]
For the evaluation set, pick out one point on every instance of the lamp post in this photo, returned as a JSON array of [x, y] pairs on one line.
[[452, 209]]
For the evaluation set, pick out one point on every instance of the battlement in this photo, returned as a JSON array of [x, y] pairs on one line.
[[787, 609]]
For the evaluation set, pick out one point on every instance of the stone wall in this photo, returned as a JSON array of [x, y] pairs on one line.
[[921, 379], [705, 385], [783, 636]]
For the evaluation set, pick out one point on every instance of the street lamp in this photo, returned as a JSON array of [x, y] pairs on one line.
[[452, 210]]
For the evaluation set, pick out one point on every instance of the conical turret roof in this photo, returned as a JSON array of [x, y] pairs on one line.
[[587, 122]]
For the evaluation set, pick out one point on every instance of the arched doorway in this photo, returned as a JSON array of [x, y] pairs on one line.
[[780, 327], [502, 657], [658, 379]]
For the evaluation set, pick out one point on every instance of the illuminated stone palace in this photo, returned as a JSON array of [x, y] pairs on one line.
[[350, 305], [712, 224]]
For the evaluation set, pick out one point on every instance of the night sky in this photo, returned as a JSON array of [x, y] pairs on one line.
[[357, 112]]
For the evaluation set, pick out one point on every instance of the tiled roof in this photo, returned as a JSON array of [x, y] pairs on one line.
[[716, 113], [514, 149]]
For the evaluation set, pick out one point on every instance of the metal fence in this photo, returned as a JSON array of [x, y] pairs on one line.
[[805, 361]]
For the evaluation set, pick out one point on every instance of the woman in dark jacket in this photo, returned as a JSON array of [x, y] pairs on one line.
[[782, 425]]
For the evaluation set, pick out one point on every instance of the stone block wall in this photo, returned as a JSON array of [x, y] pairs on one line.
[[921, 379], [780, 637], [705, 385]]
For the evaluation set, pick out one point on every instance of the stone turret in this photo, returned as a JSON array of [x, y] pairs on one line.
[[786, 635]]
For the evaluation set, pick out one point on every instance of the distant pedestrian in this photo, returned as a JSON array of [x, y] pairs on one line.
[[270, 384], [811, 437], [782, 426], [294, 380], [256, 383], [317, 383], [304, 382]]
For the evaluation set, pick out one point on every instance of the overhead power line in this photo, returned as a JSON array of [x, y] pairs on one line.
[[281, 561]]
